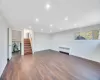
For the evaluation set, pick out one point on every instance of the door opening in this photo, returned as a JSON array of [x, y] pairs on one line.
[[16, 43]]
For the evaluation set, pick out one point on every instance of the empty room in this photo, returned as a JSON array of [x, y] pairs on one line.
[[49, 39]]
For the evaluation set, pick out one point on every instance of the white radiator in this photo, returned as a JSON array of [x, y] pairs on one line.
[[64, 50]]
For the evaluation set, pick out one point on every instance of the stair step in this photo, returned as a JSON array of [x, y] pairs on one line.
[[27, 47], [27, 53], [27, 44], [28, 50], [26, 39]]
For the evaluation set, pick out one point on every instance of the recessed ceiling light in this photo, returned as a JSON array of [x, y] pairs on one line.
[[48, 6], [41, 30], [61, 28], [66, 18], [50, 30], [30, 27], [75, 24], [51, 25], [37, 20]]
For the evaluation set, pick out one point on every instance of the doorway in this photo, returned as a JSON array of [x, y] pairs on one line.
[[16, 43]]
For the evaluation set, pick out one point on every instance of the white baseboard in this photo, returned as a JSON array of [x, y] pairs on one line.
[[2, 69]]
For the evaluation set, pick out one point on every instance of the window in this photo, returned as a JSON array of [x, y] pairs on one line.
[[89, 35]]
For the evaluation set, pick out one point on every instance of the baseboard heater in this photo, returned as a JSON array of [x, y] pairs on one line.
[[64, 50]]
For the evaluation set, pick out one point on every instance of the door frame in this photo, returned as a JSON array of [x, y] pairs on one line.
[[9, 54]]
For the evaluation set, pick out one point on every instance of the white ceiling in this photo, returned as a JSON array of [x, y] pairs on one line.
[[23, 13]]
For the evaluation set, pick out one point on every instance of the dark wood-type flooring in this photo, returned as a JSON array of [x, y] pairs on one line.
[[51, 65]]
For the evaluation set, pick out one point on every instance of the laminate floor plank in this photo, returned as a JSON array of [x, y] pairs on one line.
[[51, 65]]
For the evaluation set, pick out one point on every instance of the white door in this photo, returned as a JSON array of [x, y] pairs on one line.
[[9, 43]]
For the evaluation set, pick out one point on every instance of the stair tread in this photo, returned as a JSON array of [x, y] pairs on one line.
[[26, 42], [28, 50], [27, 45]]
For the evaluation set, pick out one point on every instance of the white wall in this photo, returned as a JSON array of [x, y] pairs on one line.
[[16, 35], [41, 41], [89, 49], [3, 45], [26, 31], [32, 38]]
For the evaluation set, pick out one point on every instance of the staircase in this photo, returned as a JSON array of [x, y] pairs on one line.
[[27, 47]]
